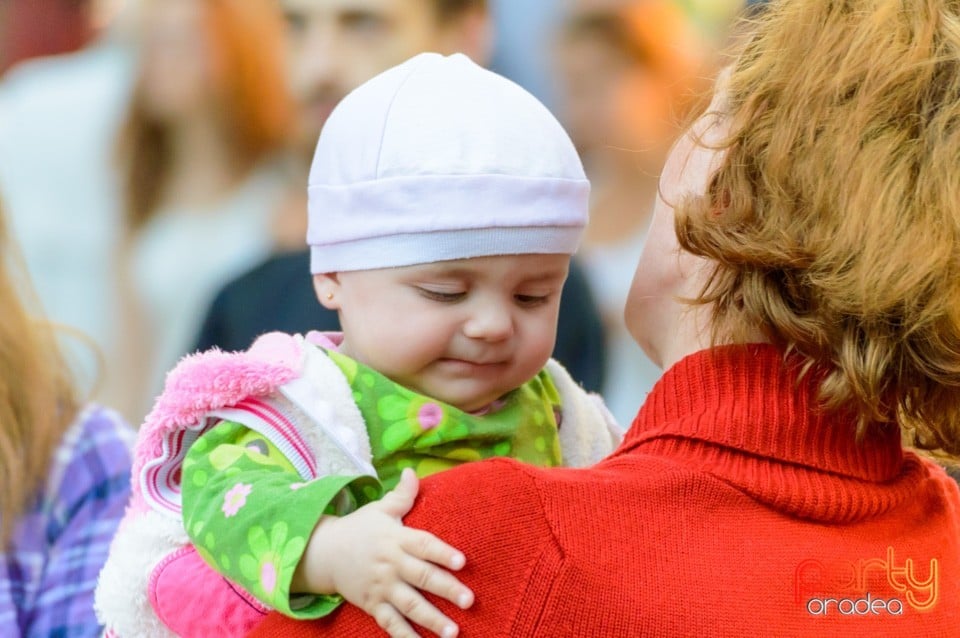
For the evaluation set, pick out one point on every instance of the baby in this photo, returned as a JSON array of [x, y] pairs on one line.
[[445, 203]]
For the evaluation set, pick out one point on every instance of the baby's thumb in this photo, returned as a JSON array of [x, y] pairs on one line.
[[399, 501]]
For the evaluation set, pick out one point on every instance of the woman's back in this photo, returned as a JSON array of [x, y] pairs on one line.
[[729, 510]]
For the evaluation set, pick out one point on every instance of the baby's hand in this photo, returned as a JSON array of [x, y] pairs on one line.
[[376, 563]]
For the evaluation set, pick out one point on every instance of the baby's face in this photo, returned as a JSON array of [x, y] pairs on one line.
[[464, 331]]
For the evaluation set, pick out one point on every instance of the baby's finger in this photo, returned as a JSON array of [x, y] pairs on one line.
[[392, 622], [399, 500], [412, 605], [439, 582], [426, 546]]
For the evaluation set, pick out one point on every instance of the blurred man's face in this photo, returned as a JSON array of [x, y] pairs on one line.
[[336, 45]]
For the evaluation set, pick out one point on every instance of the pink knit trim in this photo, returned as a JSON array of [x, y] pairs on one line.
[[208, 381], [284, 428]]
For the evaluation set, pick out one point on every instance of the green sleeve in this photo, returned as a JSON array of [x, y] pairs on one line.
[[250, 515]]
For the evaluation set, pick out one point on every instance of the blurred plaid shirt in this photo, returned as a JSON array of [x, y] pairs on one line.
[[48, 574]]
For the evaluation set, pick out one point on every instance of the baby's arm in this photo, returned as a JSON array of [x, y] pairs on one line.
[[379, 565], [250, 515], [252, 519]]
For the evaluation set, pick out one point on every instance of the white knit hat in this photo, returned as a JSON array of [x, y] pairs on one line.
[[439, 159]]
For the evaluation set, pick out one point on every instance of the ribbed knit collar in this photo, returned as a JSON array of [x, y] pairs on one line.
[[743, 414]]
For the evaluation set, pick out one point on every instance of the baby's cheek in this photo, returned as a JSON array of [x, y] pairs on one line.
[[540, 346]]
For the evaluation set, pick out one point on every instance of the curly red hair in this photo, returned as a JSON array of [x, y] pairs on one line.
[[834, 219]]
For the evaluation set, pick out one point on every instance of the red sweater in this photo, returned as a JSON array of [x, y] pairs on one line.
[[733, 508]]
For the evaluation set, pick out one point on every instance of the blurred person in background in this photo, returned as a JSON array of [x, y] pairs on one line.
[[628, 70], [333, 46], [64, 474], [524, 30], [203, 169], [59, 116]]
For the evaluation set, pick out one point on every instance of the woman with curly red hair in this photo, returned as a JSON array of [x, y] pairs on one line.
[[802, 288]]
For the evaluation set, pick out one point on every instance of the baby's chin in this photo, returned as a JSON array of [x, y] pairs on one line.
[[466, 393], [471, 404], [465, 401]]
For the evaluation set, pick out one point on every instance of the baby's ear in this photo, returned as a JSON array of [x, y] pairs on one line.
[[327, 287]]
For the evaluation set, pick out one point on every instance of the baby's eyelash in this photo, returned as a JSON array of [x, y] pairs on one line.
[[446, 297], [531, 300]]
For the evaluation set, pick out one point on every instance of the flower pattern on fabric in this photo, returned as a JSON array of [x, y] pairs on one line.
[[235, 499], [270, 554], [429, 415], [408, 416], [262, 561], [408, 429], [260, 545]]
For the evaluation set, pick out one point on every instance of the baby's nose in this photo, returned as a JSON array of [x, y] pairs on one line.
[[490, 322]]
